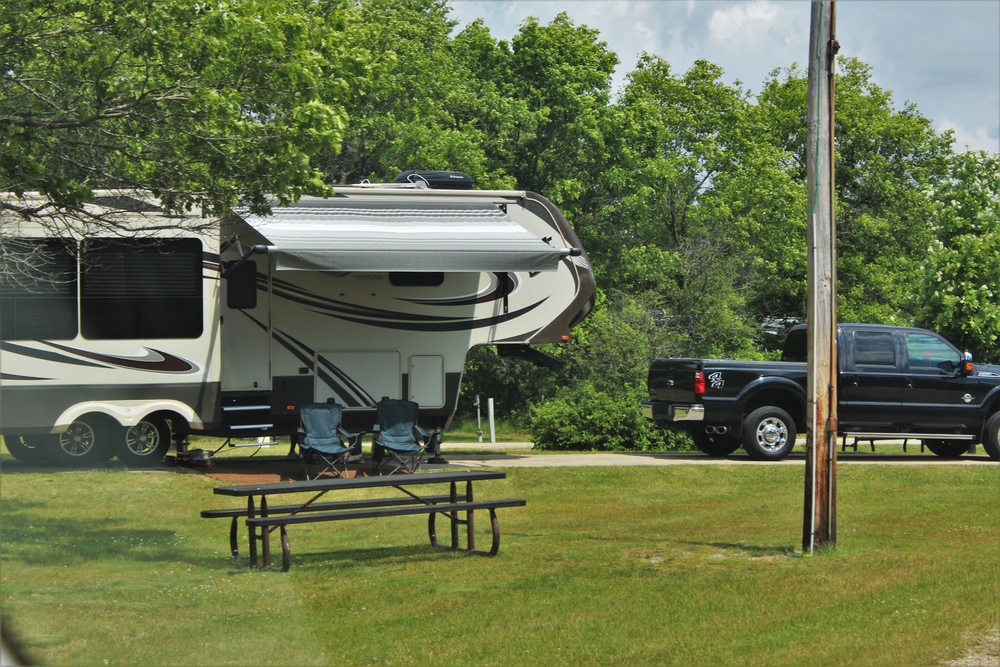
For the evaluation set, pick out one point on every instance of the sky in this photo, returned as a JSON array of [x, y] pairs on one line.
[[941, 55]]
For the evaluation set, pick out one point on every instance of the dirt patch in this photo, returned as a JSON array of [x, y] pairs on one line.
[[985, 651], [263, 471]]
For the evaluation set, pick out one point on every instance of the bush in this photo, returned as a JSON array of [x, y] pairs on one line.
[[581, 418]]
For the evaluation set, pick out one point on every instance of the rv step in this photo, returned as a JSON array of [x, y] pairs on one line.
[[249, 427], [260, 443], [244, 408]]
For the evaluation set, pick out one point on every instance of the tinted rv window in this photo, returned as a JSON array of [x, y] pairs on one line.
[[409, 279], [141, 288], [37, 289]]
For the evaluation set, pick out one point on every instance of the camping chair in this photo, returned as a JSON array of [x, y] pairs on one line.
[[321, 439], [398, 441]]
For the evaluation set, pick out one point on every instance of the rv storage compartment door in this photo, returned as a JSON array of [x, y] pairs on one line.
[[427, 381], [357, 379]]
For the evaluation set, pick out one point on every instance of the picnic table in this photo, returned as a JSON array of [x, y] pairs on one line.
[[262, 516]]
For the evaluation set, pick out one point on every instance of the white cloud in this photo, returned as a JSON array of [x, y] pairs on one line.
[[978, 139], [752, 20]]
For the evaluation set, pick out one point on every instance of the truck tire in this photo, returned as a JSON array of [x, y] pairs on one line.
[[768, 434], [991, 437], [31, 449], [947, 449], [715, 445], [143, 444]]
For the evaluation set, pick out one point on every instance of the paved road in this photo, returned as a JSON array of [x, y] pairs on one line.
[[504, 455]]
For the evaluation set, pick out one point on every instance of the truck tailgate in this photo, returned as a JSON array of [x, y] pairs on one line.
[[672, 380]]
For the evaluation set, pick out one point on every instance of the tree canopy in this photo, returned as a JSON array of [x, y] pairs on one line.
[[207, 104]]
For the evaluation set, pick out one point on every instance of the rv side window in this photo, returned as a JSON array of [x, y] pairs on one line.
[[37, 289], [413, 279], [141, 288]]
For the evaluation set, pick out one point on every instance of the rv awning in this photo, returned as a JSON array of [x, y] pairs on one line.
[[419, 238]]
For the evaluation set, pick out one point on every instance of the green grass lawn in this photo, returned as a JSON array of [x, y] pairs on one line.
[[678, 565]]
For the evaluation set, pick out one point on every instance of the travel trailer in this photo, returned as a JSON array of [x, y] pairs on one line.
[[112, 345]]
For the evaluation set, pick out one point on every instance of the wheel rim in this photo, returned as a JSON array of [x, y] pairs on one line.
[[772, 434], [142, 439], [78, 440]]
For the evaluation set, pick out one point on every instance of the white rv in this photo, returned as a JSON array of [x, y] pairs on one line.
[[376, 291]]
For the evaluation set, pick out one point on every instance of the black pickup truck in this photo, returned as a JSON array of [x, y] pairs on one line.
[[894, 383]]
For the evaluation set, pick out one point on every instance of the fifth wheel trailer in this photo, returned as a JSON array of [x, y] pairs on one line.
[[226, 327]]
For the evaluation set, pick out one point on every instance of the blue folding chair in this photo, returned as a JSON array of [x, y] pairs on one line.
[[398, 441], [322, 440]]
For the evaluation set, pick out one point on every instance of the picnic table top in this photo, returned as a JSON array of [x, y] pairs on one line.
[[331, 484]]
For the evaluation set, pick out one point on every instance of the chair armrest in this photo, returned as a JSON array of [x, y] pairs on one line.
[[423, 434]]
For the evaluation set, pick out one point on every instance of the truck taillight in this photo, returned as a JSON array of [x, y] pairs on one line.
[[699, 383]]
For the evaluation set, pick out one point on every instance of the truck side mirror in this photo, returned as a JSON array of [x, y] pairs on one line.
[[967, 367]]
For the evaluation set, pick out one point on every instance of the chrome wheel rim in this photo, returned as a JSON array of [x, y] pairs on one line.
[[142, 439], [77, 440], [772, 434]]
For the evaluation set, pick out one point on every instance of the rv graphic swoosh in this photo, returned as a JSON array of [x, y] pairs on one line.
[[11, 376], [155, 361]]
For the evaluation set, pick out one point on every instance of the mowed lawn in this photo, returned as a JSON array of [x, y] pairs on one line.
[[677, 565]]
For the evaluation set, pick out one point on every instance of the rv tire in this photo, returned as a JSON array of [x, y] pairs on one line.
[[83, 442], [31, 449], [143, 444]]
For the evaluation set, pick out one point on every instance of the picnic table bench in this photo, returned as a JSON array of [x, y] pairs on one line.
[[263, 517]]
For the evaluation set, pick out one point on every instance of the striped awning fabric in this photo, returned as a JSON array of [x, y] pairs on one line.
[[418, 237]]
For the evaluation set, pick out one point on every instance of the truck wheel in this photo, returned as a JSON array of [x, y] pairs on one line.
[[991, 437], [948, 449], [31, 449], [715, 445], [768, 434], [143, 444], [84, 442]]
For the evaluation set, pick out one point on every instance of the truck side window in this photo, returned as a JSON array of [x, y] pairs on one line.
[[930, 354], [874, 348]]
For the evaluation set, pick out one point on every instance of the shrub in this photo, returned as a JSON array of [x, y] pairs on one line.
[[582, 418]]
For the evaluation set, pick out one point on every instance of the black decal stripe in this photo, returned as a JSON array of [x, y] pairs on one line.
[[465, 325], [334, 307], [167, 363], [342, 393], [353, 387], [494, 294], [45, 355], [11, 376], [289, 343]]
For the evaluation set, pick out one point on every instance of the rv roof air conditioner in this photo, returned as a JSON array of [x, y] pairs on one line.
[[436, 180]]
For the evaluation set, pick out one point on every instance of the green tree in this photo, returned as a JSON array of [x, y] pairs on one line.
[[416, 107], [884, 160], [960, 292], [204, 104], [690, 189]]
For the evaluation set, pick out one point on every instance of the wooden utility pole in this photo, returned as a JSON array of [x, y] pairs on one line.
[[820, 517]]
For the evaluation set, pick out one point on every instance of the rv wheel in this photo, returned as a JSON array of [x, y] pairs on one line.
[[33, 449], [83, 442], [144, 444]]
